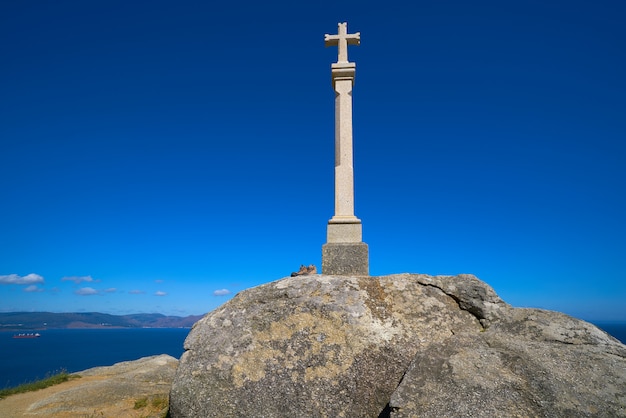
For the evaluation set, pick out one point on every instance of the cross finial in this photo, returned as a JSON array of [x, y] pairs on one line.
[[342, 40]]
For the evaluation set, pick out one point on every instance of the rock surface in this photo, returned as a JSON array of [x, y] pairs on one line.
[[137, 388], [394, 346]]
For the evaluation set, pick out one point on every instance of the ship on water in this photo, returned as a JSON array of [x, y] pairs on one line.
[[31, 335]]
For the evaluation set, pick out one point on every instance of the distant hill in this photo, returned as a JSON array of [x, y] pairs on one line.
[[15, 321]]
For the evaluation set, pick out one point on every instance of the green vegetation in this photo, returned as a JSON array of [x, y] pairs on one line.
[[52, 380], [158, 403], [141, 403]]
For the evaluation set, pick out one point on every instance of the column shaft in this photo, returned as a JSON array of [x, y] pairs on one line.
[[344, 172]]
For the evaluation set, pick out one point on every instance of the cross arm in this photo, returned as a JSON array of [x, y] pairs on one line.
[[351, 39]]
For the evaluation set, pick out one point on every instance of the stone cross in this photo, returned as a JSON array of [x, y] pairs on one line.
[[344, 253], [342, 40]]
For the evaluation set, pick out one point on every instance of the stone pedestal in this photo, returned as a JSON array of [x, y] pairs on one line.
[[345, 259]]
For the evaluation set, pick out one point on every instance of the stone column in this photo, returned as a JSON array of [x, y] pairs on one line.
[[344, 253]]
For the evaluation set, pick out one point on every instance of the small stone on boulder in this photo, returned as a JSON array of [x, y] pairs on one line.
[[304, 270]]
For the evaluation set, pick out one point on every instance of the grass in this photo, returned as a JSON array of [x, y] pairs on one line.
[[141, 403], [52, 380], [158, 403]]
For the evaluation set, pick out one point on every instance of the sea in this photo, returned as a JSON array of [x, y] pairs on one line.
[[73, 350], [24, 360]]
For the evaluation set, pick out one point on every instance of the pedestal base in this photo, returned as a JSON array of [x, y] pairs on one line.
[[341, 232], [345, 259]]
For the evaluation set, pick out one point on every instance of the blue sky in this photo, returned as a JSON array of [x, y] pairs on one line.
[[162, 156]]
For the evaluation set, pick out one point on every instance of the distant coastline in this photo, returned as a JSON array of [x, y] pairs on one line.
[[37, 321]]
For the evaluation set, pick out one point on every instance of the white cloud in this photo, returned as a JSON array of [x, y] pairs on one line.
[[110, 290], [86, 291], [221, 292], [136, 292], [15, 279], [33, 288], [160, 293], [79, 279], [159, 281]]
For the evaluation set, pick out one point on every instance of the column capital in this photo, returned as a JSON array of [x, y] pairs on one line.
[[342, 71]]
